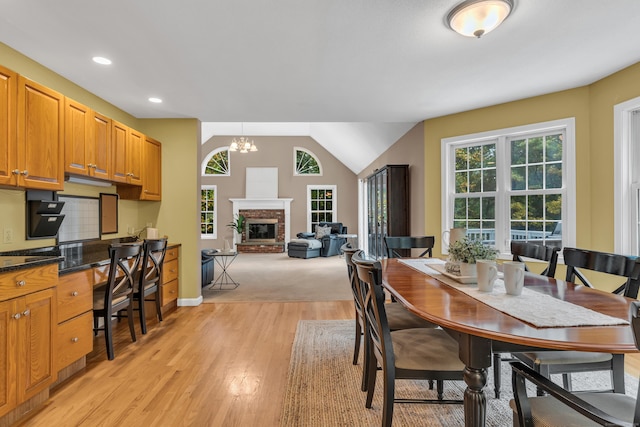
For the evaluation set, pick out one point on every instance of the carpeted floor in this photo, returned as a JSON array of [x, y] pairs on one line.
[[279, 278], [323, 386]]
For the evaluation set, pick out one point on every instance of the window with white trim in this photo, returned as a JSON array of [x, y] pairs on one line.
[[208, 217], [217, 163], [627, 177], [305, 162], [512, 184], [322, 205]]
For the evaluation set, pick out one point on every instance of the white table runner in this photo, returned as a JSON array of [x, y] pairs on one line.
[[540, 310]]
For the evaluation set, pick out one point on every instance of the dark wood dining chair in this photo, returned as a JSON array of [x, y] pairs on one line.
[[523, 251], [566, 362], [417, 353], [398, 317], [400, 246], [150, 278], [117, 293], [560, 407]]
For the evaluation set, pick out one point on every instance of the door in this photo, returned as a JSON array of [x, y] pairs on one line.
[[8, 328], [8, 93]]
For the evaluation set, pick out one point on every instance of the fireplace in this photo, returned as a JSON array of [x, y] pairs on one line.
[[261, 230]]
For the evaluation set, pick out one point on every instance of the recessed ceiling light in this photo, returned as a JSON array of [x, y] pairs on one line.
[[155, 100], [101, 60]]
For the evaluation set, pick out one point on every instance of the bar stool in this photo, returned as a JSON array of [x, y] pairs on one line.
[[117, 293], [150, 278]]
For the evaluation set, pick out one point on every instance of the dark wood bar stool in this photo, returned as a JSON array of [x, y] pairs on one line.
[[150, 278], [117, 293]]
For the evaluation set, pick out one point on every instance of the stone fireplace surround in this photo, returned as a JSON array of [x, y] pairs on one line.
[[279, 209]]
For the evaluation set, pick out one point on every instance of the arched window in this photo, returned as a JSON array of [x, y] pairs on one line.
[[306, 163], [217, 162]]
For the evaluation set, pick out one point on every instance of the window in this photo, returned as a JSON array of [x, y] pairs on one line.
[[322, 205], [512, 184], [208, 217], [627, 177], [217, 163], [306, 163]]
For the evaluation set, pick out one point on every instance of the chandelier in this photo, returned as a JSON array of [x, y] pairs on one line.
[[243, 144]]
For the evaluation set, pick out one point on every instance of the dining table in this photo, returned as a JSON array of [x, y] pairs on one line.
[[482, 329]]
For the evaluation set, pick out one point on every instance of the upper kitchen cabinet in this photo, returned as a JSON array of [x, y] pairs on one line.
[[126, 154], [8, 92], [87, 141], [40, 133], [151, 174]]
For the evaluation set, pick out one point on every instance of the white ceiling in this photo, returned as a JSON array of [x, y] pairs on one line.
[[357, 67]]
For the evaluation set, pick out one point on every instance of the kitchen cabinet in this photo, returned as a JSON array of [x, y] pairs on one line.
[[170, 278], [87, 141], [27, 334], [387, 207], [126, 154], [40, 133], [8, 93], [75, 317], [151, 174]]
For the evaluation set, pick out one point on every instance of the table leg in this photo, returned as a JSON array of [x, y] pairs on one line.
[[475, 353], [224, 278]]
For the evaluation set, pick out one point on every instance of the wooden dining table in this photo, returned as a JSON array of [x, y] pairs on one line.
[[481, 330]]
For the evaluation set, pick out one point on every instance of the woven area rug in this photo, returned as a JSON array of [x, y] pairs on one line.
[[323, 386], [279, 278]]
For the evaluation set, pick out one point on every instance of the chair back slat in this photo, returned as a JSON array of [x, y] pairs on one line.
[[522, 250], [348, 252], [394, 244], [603, 262], [152, 261], [125, 259]]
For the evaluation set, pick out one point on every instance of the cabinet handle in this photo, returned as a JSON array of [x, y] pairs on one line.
[[172, 292], [25, 172], [15, 172], [17, 316], [21, 282], [172, 270], [74, 293], [26, 312], [74, 339]]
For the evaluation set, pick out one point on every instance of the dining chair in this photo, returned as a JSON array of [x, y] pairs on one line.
[[117, 292], [149, 278], [398, 317], [566, 362], [560, 407], [398, 246], [522, 251], [417, 353]]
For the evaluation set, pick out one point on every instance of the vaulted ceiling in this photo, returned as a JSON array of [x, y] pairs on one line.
[[357, 74]]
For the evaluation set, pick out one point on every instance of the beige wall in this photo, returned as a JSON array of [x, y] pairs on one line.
[[279, 152], [408, 150]]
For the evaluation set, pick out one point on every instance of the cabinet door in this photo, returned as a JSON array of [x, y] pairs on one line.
[[102, 146], [119, 136], [8, 328], [36, 343], [134, 157], [78, 145], [8, 93], [152, 163], [40, 136]]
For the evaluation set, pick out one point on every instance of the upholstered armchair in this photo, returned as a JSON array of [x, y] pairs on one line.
[[327, 233]]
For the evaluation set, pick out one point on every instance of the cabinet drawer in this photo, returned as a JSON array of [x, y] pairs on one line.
[[172, 253], [74, 340], [22, 282], [170, 271], [169, 292], [75, 294]]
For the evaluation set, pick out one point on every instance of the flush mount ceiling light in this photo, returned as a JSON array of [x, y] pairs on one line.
[[101, 60], [475, 18]]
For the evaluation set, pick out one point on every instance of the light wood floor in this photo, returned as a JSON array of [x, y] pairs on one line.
[[212, 365]]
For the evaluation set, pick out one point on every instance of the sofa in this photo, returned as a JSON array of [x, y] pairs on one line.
[[327, 237]]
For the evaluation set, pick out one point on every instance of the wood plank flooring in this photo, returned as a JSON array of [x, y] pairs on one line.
[[212, 365]]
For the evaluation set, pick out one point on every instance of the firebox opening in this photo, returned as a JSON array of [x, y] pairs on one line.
[[261, 230]]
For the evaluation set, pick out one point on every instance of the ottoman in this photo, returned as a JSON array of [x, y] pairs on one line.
[[304, 248]]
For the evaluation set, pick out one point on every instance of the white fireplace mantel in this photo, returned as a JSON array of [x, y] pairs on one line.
[[284, 204]]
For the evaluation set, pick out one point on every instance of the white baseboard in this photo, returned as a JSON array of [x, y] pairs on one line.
[[189, 302]]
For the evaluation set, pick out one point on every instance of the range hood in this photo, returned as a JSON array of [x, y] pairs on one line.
[[43, 214]]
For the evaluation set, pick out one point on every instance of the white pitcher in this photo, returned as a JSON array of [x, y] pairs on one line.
[[453, 235]]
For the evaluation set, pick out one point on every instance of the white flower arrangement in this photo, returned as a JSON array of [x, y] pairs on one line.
[[468, 250]]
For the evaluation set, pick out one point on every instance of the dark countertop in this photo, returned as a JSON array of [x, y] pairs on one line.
[[72, 257]]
